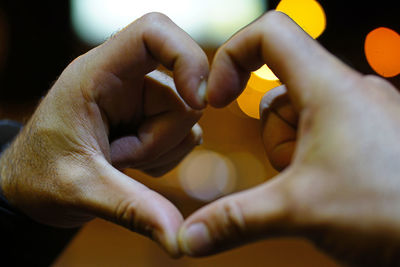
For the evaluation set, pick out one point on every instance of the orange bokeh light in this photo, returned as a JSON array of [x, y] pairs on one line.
[[382, 50]]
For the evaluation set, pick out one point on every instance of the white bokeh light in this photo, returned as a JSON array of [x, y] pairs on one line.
[[209, 22], [207, 175]]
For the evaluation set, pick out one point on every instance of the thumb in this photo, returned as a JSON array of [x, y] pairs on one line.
[[237, 219], [118, 198]]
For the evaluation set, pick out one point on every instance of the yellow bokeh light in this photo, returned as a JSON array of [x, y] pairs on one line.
[[308, 14], [265, 73], [250, 98]]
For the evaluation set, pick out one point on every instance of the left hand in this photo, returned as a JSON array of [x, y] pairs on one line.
[[102, 115]]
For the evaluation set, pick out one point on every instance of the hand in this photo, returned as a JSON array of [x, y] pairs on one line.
[[342, 187], [102, 115]]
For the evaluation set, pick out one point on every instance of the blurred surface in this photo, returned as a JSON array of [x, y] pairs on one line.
[[36, 44], [103, 244]]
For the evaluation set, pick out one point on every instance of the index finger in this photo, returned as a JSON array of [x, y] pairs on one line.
[[298, 60], [148, 41]]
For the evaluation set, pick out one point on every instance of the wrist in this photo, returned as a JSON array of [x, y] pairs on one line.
[[8, 131]]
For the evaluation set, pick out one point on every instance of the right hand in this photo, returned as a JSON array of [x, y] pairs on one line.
[[341, 189]]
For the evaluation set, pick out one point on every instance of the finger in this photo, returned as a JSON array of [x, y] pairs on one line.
[[124, 201], [155, 137], [278, 127], [277, 100], [236, 219], [168, 121], [169, 160], [150, 40], [299, 61], [161, 95], [279, 141]]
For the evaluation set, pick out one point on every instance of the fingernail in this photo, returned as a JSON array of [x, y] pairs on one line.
[[198, 134], [202, 92], [195, 240]]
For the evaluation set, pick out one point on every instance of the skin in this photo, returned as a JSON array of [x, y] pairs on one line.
[[334, 133], [108, 111]]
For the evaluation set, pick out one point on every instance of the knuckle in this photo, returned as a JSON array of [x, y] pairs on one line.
[[372, 78], [233, 222], [155, 17], [126, 216], [379, 88], [377, 81], [271, 18]]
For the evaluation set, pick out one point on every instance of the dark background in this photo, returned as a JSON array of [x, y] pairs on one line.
[[41, 41], [349, 22]]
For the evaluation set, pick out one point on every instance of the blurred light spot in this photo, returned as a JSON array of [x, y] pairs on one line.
[[250, 98], [308, 14], [208, 22], [265, 73], [207, 175], [250, 168], [382, 49]]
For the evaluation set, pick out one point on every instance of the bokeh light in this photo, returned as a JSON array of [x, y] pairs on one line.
[[382, 50], [249, 167], [206, 175], [265, 73], [209, 22], [309, 15], [250, 98]]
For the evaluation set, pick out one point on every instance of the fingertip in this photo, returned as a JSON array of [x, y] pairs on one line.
[[182, 242], [169, 242], [227, 80], [271, 96], [235, 220], [132, 205], [194, 239], [166, 231], [177, 51], [223, 91], [192, 87], [170, 221], [202, 94]]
